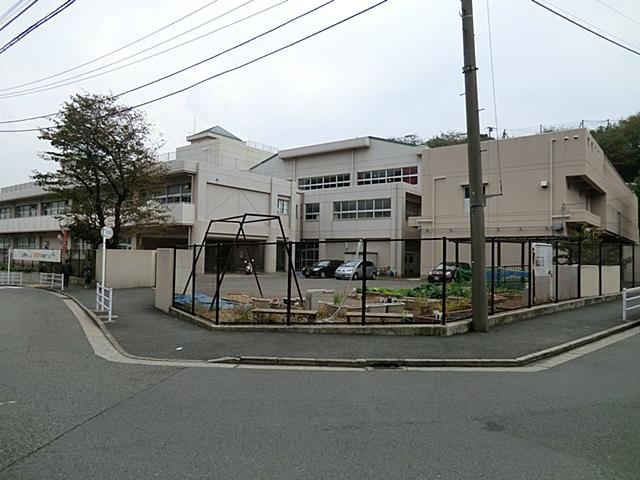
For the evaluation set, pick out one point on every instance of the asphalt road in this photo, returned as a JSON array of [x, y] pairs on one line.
[[65, 413]]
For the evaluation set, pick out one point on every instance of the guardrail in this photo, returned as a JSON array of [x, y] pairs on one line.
[[54, 280], [11, 278], [104, 300], [626, 298]]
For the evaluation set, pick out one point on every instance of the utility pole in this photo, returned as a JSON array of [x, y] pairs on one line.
[[476, 190]]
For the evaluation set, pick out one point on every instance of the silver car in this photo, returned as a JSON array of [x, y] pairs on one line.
[[353, 270]]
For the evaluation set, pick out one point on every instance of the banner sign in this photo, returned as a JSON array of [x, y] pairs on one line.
[[36, 255]]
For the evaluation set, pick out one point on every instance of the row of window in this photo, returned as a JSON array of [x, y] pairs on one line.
[[31, 210], [352, 209], [389, 175], [176, 194]]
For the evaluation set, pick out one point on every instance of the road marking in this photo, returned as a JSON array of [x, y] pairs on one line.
[[103, 348]]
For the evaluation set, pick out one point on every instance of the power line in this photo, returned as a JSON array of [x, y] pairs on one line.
[[193, 65], [10, 10], [619, 12], [495, 102], [18, 15], [39, 23], [224, 72], [62, 83], [111, 52], [586, 28]]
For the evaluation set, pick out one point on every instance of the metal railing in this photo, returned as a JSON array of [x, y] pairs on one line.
[[104, 300], [627, 298], [53, 280], [11, 278]]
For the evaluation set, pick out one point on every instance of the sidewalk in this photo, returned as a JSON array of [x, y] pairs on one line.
[[144, 331]]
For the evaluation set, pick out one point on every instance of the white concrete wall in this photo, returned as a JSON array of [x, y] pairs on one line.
[[128, 268], [589, 278]]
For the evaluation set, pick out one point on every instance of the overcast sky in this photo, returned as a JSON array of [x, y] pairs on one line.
[[392, 71]]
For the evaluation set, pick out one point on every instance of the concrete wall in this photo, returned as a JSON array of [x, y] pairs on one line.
[[128, 268], [610, 280]]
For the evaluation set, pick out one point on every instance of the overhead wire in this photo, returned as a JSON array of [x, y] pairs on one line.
[[495, 102], [193, 65], [18, 15], [586, 28], [36, 25], [619, 12], [224, 72], [112, 51], [62, 83], [10, 10]]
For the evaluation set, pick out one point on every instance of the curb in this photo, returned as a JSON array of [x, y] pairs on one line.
[[371, 363]]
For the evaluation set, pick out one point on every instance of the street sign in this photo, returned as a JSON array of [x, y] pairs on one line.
[[106, 232], [36, 255]]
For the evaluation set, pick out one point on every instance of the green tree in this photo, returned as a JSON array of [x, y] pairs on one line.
[[411, 139], [620, 142], [444, 139], [107, 172]]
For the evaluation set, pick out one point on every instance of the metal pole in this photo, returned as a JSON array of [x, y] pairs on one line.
[[443, 320], [633, 266], [173, 281], [193, 281], [364, 281], [218, 280], [530, 275], [600, 268], [621, 265], [493, 276], [457, 252], [104, 259], [556, 274], [289, 267], [476, 193], [9, 262], [579, 268]]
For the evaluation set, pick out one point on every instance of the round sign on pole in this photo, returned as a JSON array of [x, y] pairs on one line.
[[106, 232]]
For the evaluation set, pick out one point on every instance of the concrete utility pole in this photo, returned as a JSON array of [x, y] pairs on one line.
[[476, 191]]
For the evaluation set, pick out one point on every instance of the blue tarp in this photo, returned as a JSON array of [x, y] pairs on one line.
[[203, 299]]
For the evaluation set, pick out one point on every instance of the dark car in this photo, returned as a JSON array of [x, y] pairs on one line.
[[453, 271], [322, 269]]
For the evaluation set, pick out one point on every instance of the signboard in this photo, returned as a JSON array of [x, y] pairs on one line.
[[543, 256], [36, 255]]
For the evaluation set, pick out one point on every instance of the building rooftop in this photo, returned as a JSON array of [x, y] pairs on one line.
[[213, 132]]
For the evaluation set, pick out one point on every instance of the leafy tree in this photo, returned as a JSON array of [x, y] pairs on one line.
[[620, 142], [444, 139], [411, 139], [107, 168]]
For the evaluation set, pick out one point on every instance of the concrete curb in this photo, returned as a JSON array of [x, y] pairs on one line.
[[371, 363]]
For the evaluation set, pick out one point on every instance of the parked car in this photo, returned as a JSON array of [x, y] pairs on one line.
[[322, 269], [353, 270], [453, 271]]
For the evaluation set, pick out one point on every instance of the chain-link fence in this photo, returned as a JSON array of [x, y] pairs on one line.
[[387, 281]]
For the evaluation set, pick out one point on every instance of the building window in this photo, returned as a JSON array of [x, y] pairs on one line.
[[466, 197], [5, 212], [328, 181], [312, 212], [26, 242], [180, 193], [390, 175], [5, 243], [307, 254], [362, 209], [125, 244], [54, 208], [283, 206], [26, 211], [412, 209]]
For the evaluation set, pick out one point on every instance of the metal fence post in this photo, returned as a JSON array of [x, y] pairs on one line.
[[556, 274], [218, 286], [633, 265], [364, 281], [457, 252], [493, 276], [193, 281], [530, 292], [600, 268], [173, 281], [621, 265], [289, 268], [579, 275], [443, 320]]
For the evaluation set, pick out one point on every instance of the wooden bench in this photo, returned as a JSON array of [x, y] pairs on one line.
[[282, 312], [382, 316]]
